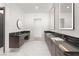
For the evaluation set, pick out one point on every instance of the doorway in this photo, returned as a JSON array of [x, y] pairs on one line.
[[37, 28], [2, 30]]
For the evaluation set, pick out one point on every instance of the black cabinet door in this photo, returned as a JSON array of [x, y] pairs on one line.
[[52, 48], [1, 29], [58, 51]]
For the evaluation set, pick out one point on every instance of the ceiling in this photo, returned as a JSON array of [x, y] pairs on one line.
[[35, 7]]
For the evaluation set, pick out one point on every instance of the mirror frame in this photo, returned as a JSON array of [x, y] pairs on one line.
[[72, 18], [17, 23], [50, 16]]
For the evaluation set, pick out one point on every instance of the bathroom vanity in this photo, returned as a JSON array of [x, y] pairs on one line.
[[17, 39], [62, 45]]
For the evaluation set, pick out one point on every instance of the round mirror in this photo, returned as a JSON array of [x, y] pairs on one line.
[[19, 24]]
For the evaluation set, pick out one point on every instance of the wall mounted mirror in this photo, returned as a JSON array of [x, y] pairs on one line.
[[19, 24], [66, 16], [51, 14]]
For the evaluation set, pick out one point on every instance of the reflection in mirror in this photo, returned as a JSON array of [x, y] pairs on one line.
[[51, 14], [66, 16]]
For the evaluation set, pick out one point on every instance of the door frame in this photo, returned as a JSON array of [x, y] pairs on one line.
[[36, 20], [3, 8]]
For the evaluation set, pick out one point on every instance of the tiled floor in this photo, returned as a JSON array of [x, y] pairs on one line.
[[34, 47]]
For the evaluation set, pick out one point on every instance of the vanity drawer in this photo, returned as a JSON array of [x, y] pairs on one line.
[[58, 52]]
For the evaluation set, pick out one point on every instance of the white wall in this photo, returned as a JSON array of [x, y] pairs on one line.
[[2, 4], [29, 19], [12, 14]]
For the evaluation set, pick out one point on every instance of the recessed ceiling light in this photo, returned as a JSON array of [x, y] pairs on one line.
[[67, 7], [36, 7]]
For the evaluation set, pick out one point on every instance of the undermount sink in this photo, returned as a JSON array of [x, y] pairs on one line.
[[57, 39]]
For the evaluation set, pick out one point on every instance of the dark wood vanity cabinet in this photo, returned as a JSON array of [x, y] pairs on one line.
[[69, 46], [16, 40], [50, 45], [13, 42], [21, 40], [58, 51], [53, 48]]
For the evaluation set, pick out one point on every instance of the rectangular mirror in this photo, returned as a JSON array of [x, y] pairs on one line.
[[66, 16]]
